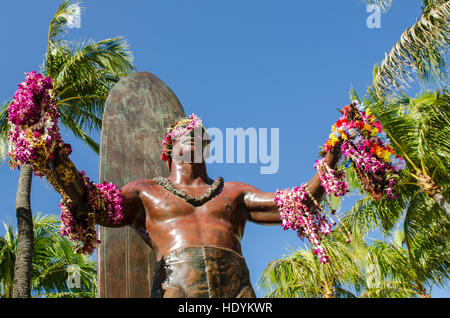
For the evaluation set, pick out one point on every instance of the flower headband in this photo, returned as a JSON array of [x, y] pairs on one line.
[[175, 131]]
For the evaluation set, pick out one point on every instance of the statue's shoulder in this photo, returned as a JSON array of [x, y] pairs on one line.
[[235, 184], [239, 186], [139, 185]]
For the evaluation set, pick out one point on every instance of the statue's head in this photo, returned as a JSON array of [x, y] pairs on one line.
[[182, 139]]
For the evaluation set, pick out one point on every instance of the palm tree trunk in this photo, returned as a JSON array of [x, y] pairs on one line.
[[428, 186], [23, 263], [439, 198]]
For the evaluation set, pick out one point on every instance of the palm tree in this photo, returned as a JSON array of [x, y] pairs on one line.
[[302, 275], [82, 75], [408, 272], [376, 270], [421, 49], [51, 259]]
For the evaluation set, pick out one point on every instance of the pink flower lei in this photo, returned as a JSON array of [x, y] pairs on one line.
[[34, 135], [296, 214], [333, 181], [34, 139], [104, 201]]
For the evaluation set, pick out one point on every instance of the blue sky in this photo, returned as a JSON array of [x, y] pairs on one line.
[[263, 64]]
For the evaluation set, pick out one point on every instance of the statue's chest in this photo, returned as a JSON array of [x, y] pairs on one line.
[[170, 206]]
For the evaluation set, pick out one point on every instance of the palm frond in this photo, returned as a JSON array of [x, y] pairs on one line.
[[70, 295], [8, 249], [87, 119], [87, 62], [78, 131], [4, 127], [344, 293], [58, 24], [51, 258], [431, 114], [302, 275], [389, 289], [426, 232], [420, 49], [368, 214], [383, 4], [83, 75]]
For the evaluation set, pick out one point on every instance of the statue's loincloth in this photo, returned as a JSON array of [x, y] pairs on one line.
[[202, 272]]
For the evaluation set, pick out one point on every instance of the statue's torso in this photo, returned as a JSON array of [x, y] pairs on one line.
[[172, 223]]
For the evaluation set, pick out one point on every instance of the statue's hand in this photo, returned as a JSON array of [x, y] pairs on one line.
[[333, 156]]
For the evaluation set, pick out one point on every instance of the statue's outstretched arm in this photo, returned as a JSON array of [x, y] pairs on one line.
[[261, 206], [76, 197]]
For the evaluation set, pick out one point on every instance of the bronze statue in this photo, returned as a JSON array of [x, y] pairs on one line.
[[195, 224]]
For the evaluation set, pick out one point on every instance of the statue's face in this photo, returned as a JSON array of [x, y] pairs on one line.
[[189, 147]]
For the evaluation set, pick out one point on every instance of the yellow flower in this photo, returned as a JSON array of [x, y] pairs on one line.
[[344, 136], [29, 134], [379, 151], [386, 156], [332, 141]]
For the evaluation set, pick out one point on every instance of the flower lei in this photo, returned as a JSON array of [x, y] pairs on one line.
[[34, 138], [313, 223], [175, 131], [363, 143], [333, 181], [105, 203], [34, 135]]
